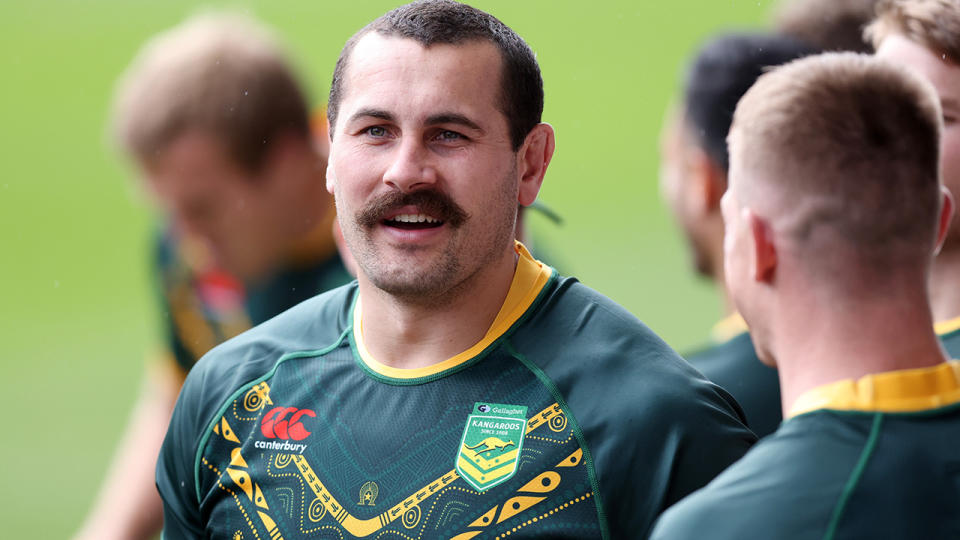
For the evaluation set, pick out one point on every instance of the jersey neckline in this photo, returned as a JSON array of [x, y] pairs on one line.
[[943, 328], [728, 328], [902, 391], [529, 280]]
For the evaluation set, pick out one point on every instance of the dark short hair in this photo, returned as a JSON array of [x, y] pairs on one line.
[[721, 73], [447, 22]]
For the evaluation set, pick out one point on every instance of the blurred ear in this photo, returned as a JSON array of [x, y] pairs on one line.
[[533, 158], [947, 208], [284, 149], [710, 182], [764, 250]]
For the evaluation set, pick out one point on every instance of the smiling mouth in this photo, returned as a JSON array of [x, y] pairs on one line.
[[412, 222]]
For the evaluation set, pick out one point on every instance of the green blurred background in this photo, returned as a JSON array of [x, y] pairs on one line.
[[77, 320]]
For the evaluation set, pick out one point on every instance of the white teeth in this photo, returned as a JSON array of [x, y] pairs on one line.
[[414, 218]]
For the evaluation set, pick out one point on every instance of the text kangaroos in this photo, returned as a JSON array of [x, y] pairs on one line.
[[490, 443]]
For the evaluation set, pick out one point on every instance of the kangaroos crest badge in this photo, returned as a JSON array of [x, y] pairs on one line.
[[491, 445]]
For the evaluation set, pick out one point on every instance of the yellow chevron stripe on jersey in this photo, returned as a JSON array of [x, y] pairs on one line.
[[365, 527], [945, 327], [529, 279], [908, 390]]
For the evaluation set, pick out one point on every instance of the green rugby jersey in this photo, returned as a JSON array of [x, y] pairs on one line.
[[569, 419], [949, 332], [873, 458], [732, 363], [202, 306]]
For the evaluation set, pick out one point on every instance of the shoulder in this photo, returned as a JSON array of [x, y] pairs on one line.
[[581, 336], [799, 466], [313, 325], [578, 319], [645, 416]]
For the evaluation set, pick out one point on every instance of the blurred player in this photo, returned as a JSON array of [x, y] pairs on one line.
[[924, 36], [829, 25], [212, 113], [694, 178], [834, 214], [460, 388]]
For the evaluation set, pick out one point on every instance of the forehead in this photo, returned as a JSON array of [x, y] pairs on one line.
[[936, 68], [403, 77], [194, 162]]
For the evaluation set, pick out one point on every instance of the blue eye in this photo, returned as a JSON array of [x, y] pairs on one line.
[[448, 135]]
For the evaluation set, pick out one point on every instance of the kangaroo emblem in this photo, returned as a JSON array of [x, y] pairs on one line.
[[490, 443]]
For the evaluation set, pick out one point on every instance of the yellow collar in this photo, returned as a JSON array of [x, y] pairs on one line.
[[728, 328], [945, 327], [908, 390], [529, 279]]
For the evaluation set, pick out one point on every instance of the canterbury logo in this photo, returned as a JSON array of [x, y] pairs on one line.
[[285, 423]]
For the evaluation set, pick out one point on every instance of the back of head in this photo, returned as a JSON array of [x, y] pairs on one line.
[[934, 24], [222, 74], [830, 25], [446, 22], [723, 70], [840, 152]]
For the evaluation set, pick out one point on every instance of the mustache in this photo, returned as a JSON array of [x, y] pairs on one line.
[[435, 203]]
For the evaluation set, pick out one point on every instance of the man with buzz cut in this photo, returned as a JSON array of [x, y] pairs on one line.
[[693, 179], [834, 213], [460, 388], [924, 36]]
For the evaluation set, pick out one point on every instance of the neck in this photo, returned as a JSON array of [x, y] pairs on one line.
[[944, 284], [826, 339], [405, 333]]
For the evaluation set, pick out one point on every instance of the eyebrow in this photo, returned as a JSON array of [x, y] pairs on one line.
[[949, 103], [441, 118], [373, 113], [453, 118]]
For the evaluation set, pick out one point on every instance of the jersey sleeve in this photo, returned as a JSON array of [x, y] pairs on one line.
[[176, 464]]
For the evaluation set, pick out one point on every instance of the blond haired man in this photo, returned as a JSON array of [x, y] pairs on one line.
[[834, 213], [924, 36], [218, 124]]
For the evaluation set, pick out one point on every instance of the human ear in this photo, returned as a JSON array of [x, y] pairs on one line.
[[533, 158], [710, 182], [764, 250], [947, 208]]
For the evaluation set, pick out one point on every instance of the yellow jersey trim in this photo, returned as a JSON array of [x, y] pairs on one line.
[[908, 390], [945, 327], [728, 328], [529, 279]]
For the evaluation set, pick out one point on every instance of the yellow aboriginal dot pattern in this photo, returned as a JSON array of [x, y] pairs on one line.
[[408, 510], [433, 504], [280, 461], [242, 510], [541, 517]]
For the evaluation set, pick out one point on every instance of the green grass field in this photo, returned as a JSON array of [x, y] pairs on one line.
[[76, 313]]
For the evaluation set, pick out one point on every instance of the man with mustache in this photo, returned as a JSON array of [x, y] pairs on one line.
[[460, 388]]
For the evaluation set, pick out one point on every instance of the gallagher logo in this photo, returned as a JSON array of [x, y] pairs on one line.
[[286, 423]]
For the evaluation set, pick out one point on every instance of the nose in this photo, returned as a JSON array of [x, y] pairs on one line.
[[410, 168]]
